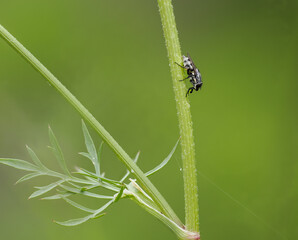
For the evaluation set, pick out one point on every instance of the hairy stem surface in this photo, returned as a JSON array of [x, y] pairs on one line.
[[184, 116]]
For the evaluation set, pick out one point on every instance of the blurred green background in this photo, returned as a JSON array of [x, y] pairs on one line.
[[112, 57]]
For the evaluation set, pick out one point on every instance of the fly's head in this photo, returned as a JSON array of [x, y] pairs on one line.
[[187, 63]]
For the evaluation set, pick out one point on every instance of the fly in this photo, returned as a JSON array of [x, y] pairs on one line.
[[193, 74]]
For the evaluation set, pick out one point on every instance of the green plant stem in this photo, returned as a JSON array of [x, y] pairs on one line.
[[122, 155], [184, 116]]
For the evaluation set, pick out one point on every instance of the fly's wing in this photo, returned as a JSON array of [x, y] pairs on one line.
[[192, 63]]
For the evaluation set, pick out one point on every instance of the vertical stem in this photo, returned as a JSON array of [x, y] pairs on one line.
[[184, 116]]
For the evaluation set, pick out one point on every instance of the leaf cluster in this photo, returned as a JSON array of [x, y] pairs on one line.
[[82, 182]]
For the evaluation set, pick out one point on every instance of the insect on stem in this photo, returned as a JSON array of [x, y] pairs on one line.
[[193, 73]]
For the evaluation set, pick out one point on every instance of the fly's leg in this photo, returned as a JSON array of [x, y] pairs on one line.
[[186, 78], [180, 65], [189, 91]]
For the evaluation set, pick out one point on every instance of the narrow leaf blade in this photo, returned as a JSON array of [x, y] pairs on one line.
[[57, 196], [19, 164], [137, 157], [163, 163], [35, 159], [91, 148], [87, 155], [74, 222], [87, 173], [58, 152], [104, 207], [99, 155], [86, 193], [79, 206], [99, 215], [45, 189], [119, 195], [29, 176], [128, 172]]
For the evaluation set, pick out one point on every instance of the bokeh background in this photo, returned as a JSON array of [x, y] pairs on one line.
[[112, 57]]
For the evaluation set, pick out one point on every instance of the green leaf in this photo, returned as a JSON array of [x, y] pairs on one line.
[[125, 176], [87, 155], [19, 164], [85, 172], [119, 195], [96, 214], [164, 162], [113, 182], [58, 152], [81, 181], [29, 176], [35, 159], [45, 189], [76, 205], [92, 179], [88, 179], [95, 195], [56, 174], [99, 154], [99, 215], [91, 148], [128, 172], [104, 207], [137, 157], [85, 193], [57, 196], [100, 180], [110, 187], [74, 222], [87, 176]]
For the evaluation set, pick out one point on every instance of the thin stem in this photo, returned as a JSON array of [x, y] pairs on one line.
[[122, 155], [184, 116]]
